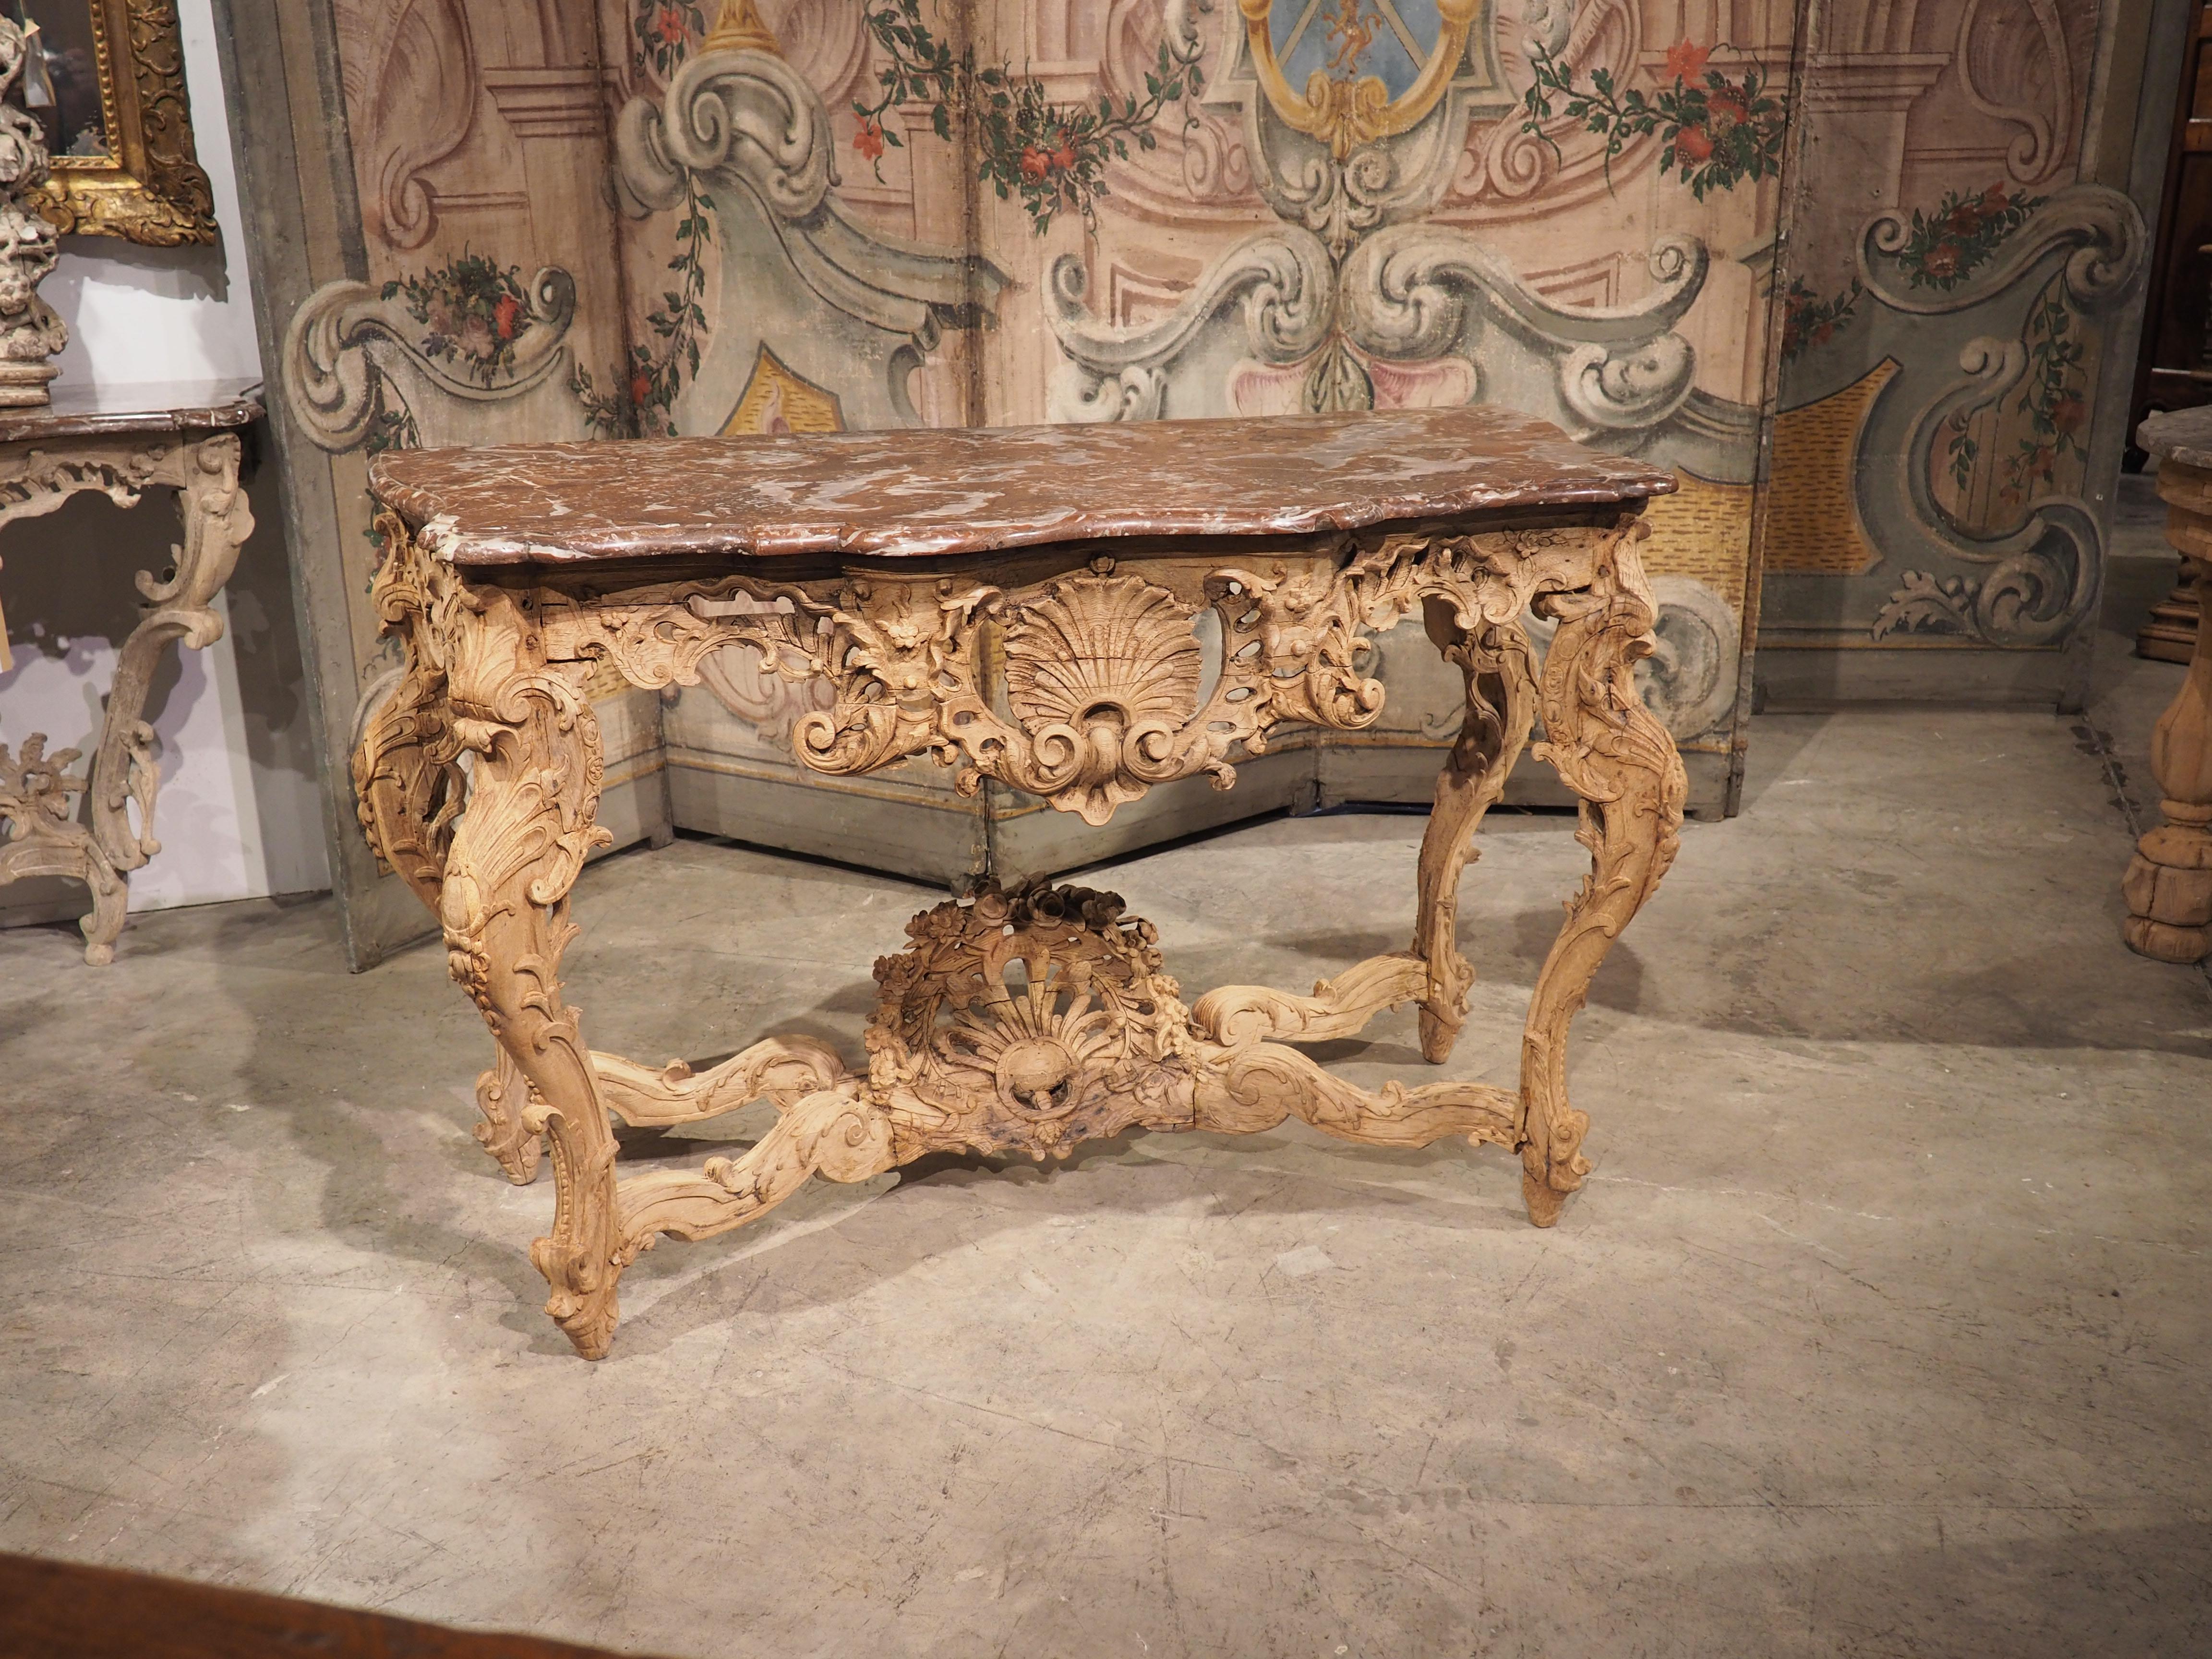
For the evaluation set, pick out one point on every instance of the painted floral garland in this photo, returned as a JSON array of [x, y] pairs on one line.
[[1718, 132], [1942, 248], [2056, 400], [1052, 155], [476, 313], [657, 372], [665, 30], [1808, 320]]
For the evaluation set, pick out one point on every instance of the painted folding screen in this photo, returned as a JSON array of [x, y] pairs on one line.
[[864, 213], [1962, 301], [433, 255], [658, 215]]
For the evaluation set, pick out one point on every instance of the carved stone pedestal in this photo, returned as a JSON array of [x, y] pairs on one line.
[[1080, 613], [45, 456], [2169, 881]]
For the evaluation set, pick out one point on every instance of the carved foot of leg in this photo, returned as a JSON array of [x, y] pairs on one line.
[[2168, 888], [111, 898], [583, 1302], [1441, 1019], [1545, 1202], [1552, 1165]]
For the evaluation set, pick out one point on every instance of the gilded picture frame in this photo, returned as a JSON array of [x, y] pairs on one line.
[[144, 182]]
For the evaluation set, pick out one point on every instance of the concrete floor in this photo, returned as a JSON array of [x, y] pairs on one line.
[[1879, 1327]]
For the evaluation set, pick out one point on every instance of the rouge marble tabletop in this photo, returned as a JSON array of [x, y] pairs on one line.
[[936, 491], [83, 410]]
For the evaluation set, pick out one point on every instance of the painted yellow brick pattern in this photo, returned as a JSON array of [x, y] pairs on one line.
[[605, 681], [1814, 525], [1703, 530]]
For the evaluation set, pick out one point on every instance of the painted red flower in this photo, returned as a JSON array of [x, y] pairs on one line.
[[1035, 163], [1942, 260], [1685, 60], [869, 140], [2068, 414], [1693, 145], [1063, 157], [506, 316], [670, 27], [640, 388], [1726, 111]]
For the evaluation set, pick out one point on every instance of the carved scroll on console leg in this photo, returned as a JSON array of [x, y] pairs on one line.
[[1612, 752], [1498, 669], [508, 1130], [179, 606], [408, 790]]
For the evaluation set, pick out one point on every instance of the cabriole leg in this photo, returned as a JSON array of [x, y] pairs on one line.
[[1496, 663], [498, 876], [504, 908], [408, 790], [1612, 752]]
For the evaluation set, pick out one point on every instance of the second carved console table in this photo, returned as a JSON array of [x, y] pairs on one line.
[[182, 438], [1081, 612]]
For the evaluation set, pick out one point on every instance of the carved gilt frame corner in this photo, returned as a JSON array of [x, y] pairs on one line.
[[150, 187]]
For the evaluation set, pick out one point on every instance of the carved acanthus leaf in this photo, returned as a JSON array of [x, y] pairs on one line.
[[1103, 672]]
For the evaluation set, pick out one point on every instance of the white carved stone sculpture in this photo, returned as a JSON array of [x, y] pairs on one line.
[[30, 333]]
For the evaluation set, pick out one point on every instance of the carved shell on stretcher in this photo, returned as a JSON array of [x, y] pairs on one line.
[[1040, 1016]]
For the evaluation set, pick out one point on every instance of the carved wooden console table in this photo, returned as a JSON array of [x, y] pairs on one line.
[[2168, 885], [189, 444], [1029, 605]]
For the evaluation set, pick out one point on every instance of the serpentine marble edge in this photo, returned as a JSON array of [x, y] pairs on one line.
[[931, 492]]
